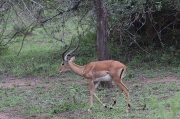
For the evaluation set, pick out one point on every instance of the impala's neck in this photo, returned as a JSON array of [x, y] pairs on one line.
[[79, 70]]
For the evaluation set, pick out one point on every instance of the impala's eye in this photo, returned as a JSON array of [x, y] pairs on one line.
[[62, 64]]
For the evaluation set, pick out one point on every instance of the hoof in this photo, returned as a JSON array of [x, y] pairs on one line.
[[144, 107], [129, 105], [111, 107], [89, 110], [114, 102], [105, 105]]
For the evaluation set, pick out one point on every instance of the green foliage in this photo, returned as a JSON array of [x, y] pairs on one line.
[[29, 63], [129, 25], [42, 58], [37, 57], [87, 51], [3, 50], [20, 30]]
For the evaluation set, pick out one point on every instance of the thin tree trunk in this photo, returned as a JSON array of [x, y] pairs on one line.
[[102, 27]]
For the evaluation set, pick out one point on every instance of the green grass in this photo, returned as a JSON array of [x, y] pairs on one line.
[[41, 99], [51, 97]]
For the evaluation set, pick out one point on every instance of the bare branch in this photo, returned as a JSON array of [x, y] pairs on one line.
[[75, 7], [28, 9], [61, 40], [37, 3], [28, 30], [133, 37]]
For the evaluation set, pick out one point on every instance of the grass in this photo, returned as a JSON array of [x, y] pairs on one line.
[[50, 98], [40, 99]]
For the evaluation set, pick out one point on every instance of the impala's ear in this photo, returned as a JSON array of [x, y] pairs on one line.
[[72, 59]]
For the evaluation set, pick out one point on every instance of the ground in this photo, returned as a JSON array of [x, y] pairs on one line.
[[30, 82]]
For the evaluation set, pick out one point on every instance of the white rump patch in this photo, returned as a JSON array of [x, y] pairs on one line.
[[104, 78]]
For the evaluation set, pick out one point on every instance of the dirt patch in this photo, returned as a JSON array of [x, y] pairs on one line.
[[162, 80], [72, 114], [42, 43], [151, 81], [12, 82], [28, 82], [10, 115]]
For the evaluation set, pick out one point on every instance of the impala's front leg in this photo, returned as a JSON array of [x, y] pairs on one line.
[[91, 102], [92, 91]]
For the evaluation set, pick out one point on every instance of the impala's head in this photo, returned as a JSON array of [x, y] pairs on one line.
[[65, 65], [67, 58]]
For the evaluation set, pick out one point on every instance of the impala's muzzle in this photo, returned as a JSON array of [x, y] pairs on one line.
[[58, 73]]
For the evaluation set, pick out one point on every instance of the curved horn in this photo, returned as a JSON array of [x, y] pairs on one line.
[[67, 49], [65, 58]]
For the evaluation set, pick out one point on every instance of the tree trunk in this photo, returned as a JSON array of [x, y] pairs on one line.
[[102, 27]]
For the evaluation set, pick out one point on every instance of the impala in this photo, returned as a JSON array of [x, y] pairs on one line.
[[95, 72]]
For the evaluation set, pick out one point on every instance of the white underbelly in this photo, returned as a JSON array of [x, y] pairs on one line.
[[104, 78]]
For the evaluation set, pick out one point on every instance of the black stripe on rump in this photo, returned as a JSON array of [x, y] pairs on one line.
[[121, 72]]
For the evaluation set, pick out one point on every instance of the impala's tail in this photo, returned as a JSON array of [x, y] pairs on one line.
[[123, 73]]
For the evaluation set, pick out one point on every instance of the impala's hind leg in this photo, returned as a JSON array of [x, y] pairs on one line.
[[120, 85], [126, 91], [114, 101]]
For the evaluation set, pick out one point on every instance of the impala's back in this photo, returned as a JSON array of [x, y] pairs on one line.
[[102, 68]]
